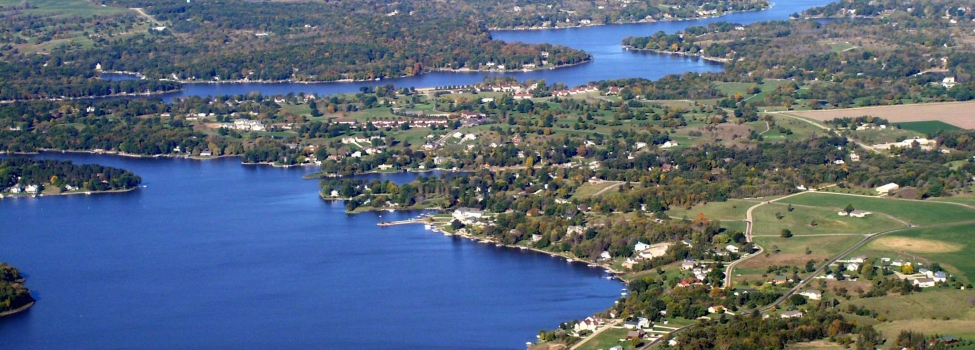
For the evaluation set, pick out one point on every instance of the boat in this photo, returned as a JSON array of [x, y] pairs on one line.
[[427, 227], [499, 245], [569, 259], [593, 265], [523, 248]]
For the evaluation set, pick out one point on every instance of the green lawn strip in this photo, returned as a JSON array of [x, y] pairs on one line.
[[928, 127], [607, 339], [931, 303], [732, 209], [801, 219], [916, 212]]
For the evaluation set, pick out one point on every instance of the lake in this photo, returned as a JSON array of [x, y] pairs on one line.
[[610, 60], [215, 254]]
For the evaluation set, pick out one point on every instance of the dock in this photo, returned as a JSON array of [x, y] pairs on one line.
[[403, 222]]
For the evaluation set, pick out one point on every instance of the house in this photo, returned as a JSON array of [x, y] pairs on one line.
[[687, 265], [206, 153], [715, 309], [646, 255], [924, 282], [854, 157], [731, 248], [779, 280], [899, 262], [334, 194], [605, 255], [926, 272], [669, 144], [631, 324], [852, 267], [572, 230], [948, 82], [842, 213], [629, 263], [812, 294], [589, 324], [940, 276], [792, 314], [640, 246], [32, 189], [886, 189], [536, 238], [637, 334], [385, 166], [462, 214], [859, 259]]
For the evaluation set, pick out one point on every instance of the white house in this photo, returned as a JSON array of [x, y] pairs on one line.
[[669, 144], [731, 248], [792, 314], [812, 294], [924, 282], [859, 259], [646, 255], [640, 246], [463, 214], [852, 267], [589, 324], [885, 189], [32, 189], [605, 255], [940, 276]]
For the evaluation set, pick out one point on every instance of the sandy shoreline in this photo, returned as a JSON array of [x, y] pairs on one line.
[[17, 310]]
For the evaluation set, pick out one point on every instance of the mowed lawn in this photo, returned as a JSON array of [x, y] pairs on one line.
[[928, 127], [916, 212], [607, 339], [801, 219], [951, 246]]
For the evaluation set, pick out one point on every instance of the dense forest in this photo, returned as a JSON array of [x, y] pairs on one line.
[[92, 177], [13, 294]]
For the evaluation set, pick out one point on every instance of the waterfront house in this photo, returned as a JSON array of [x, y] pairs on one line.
[[588, 324], [605, 255], [631, 324], [466, 214]]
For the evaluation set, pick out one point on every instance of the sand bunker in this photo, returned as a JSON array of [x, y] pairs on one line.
[[916, 245]]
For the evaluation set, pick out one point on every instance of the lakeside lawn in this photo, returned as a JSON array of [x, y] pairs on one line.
[[916, 212], [951, 246], [607, 339], [771, 219]]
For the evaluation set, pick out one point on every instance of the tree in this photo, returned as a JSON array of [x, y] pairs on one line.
[[849, 209], [797, 300], [456, 225], [786, 233]]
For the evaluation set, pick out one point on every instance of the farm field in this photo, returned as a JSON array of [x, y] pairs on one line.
[[932, 303], [950, 246], [771, 219], [916, 212], [63, 7], [954, 113], [792, 252], [928, 127]]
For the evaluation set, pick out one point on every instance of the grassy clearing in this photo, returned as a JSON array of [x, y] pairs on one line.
[[732, 209], [958, 328], [950, 246], [963, 199], [840, 47], [589, 189], [819, 344], [800, 221], [916, 212], [929, 304], [607, 339], [928, 127], [64, 8]]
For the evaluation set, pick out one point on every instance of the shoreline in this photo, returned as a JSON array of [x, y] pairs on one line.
[[124, 190], [121, 95], [703, 57], [642, 21], [18, 310]]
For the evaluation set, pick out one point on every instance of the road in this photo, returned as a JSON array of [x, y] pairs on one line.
[[617, 183], [750, 237], [143, 13]]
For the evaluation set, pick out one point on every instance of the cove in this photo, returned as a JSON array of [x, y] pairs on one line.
[[610, 60], [213, 254]]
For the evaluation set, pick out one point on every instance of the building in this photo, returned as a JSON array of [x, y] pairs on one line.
[[886, 189], [924, 282], [792, 314], [731, 248], [812, 294], [940, 276], [640, 246], [467, 214], [687, 265], [859, 213]]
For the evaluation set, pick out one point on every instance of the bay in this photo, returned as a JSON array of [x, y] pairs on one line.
[[610, 60], [213, 254]]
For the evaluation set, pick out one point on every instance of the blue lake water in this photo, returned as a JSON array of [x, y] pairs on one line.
[[218, 255], [610, 60], [213, 254]]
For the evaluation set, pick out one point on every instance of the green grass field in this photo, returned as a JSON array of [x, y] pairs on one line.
[[929, 303], [951, 246], [818, 245], [928, 127], [800, 220], [607, 339], [587, 190], [916, 212], [64, 7]]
